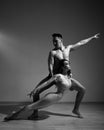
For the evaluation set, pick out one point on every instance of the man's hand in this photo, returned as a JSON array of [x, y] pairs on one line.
[[50, 74], [31, 94], [96, 35]]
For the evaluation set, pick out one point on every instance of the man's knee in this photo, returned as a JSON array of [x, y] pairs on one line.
[[36, 97], [79, 89], [83, 90]]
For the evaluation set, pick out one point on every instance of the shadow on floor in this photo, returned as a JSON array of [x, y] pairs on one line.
[[7, 109], [58, 114]]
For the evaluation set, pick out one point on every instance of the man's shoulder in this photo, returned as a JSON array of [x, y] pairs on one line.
[[52, 52], [68, 46]]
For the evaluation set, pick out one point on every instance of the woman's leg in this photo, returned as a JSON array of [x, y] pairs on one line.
[[80, 94], [46, 101], [49, 83]]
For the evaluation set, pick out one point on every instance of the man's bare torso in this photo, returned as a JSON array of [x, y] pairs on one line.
[[58, 56], [61, 54]]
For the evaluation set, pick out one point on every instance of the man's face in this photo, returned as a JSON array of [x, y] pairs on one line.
[[57, 42]]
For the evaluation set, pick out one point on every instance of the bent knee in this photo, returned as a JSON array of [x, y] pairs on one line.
[[83, 90], [79, 89]]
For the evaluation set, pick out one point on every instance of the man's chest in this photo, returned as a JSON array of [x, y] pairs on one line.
[[61, 54]]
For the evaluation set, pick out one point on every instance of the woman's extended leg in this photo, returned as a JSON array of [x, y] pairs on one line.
[[46, 101], [49, 83]]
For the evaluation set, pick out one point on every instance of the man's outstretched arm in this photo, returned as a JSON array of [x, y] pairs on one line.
[[83, 42]]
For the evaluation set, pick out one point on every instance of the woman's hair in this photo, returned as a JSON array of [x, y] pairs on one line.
[[62, 65]]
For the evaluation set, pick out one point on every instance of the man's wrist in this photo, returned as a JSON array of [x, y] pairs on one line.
[[51, 74]]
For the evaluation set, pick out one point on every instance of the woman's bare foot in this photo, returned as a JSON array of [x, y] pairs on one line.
[[14, 114]]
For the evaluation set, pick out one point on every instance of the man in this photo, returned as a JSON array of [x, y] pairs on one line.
[[58, 56]]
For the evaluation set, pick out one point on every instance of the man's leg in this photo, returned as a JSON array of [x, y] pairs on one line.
[[36, 97], [80, 94], [34, 115], [44, 80]]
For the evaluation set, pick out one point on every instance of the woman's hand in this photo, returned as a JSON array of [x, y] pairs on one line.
[[31, 94]]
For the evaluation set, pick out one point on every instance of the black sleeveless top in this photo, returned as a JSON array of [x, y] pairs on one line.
[[62, 63]]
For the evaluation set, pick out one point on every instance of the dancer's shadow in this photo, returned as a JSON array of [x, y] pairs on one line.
[[48, 113], [42, 115]]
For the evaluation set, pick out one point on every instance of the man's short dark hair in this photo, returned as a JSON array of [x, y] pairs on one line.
[[56, 35]]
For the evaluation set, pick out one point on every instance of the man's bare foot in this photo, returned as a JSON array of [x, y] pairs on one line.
[[77, 113], [34, 115]]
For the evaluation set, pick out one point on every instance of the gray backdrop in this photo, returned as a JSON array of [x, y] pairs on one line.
[[25, 41]]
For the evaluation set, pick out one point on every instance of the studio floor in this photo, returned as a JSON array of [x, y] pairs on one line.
[[56, 117]]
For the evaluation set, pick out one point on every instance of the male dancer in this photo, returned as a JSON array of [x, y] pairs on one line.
[[59, 55]]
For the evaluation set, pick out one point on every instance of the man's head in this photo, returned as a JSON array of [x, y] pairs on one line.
[[57, 40]]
